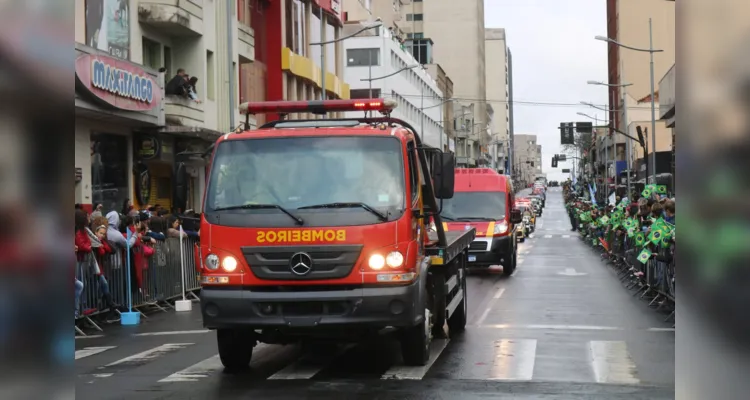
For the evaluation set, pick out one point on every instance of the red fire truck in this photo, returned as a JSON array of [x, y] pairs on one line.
[[318, 229]]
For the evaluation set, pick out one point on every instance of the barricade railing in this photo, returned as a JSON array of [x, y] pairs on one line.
[[654, 280], [158, 282]]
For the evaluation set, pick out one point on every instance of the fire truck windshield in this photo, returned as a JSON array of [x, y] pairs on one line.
[[301, 173]]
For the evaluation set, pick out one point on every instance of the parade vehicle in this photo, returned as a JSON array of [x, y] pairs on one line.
[[318, 230], [483, 200], [522, 231], [536, 202]]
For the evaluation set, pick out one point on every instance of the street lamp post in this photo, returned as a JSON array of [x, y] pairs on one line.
[[651, 51], [624, 109]]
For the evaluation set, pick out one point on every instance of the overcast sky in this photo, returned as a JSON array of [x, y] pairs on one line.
[[554, 54]]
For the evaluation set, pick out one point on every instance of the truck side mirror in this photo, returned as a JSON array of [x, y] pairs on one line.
[[515, 216], [443, 175]]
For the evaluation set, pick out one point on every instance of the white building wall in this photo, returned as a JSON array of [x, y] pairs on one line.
[[413, 89]]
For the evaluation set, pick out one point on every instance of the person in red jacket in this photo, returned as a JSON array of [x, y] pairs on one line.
[[83, 247]]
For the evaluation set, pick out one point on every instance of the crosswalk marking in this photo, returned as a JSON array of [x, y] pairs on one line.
[[306, 367], [196, 371], [612, 363], [513, 360], [150, 354], [90, 351], [416, 373]]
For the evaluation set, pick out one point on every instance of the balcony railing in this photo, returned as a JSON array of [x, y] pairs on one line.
[[179, 111]]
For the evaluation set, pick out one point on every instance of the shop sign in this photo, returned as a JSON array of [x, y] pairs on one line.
[[147, 147], [118, 83]]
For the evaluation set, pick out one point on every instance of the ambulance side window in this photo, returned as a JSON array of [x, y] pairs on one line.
[[413, 170]]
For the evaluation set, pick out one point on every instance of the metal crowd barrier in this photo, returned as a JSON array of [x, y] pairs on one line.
[[160, 282], [654, 280]]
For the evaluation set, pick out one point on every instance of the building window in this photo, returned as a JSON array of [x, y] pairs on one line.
[[417, 35], [362, 57], [295, 26], [151, 53], [109, 170], [414, 17], [244, 8], [364, 94], [210, 75]]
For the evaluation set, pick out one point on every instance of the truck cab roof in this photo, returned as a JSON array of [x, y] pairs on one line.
[[480, 180]]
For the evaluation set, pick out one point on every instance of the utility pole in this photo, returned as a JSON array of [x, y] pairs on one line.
[[322, 54], [230, 63]]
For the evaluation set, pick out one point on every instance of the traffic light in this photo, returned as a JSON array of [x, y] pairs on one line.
[[554, 161], [584, 127], [566, 133]]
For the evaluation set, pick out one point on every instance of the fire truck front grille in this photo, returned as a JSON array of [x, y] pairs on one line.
[[302, 262]]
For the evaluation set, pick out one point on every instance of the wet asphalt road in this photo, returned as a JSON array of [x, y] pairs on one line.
[[561, 328]]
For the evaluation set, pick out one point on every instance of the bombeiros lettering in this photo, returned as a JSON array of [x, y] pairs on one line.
[[121, 83], [296, 236]]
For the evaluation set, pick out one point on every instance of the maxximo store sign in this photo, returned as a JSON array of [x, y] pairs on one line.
[[118, 83]]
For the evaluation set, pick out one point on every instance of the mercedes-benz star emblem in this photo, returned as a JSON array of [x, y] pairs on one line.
[[300, 264]]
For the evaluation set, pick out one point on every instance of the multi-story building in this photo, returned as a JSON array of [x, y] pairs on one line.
[[392, 14], [498, 94], [377, 66], [510, 113], [528, 159], [459, 50], [136, 142], [627, 23]]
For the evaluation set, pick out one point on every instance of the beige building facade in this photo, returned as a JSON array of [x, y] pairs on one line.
[[498, 94], [628, 24], [527, 161]]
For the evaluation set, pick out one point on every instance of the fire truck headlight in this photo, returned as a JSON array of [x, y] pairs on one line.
[[376, 262], [212, 262], [394, 259], [229, 264]]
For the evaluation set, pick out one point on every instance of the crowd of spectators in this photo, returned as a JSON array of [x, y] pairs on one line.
[[100, 234]]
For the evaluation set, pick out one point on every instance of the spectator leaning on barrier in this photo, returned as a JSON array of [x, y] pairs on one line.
[[669, 211], [113, 232], [83, 250], [173, 230], [102, 248]]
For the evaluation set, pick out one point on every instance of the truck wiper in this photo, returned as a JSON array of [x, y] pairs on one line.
[[296, 219], [380, 215]]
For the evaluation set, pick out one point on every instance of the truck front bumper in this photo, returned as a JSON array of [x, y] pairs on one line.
[[499, 250], [395, 306]]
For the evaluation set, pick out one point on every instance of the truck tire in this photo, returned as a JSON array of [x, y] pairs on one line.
[[457, 321], [415, 342], [510, 268], [235, 348], [438, 304]]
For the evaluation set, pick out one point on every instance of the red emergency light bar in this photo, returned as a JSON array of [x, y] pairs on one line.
[[317, 106]]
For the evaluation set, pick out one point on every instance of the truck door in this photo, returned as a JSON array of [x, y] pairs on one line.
[[415, 198]]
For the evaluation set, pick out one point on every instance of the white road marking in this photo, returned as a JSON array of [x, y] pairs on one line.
[[102, 375], [305, 369], [90, 351], [548, 236], [404, 372], [166, 333], [150, 354], [196, 371], [89, 337], [513, 360], [490, 304], [612, 363], [660, 329], [554, 327], [566, 236]]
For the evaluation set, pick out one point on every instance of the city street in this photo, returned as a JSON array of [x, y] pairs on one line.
[[561, 327]]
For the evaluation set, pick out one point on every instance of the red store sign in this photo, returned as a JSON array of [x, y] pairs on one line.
[[118, 83]]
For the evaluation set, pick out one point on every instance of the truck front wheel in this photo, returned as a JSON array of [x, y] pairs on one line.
[[415, 342], [235, 348]]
